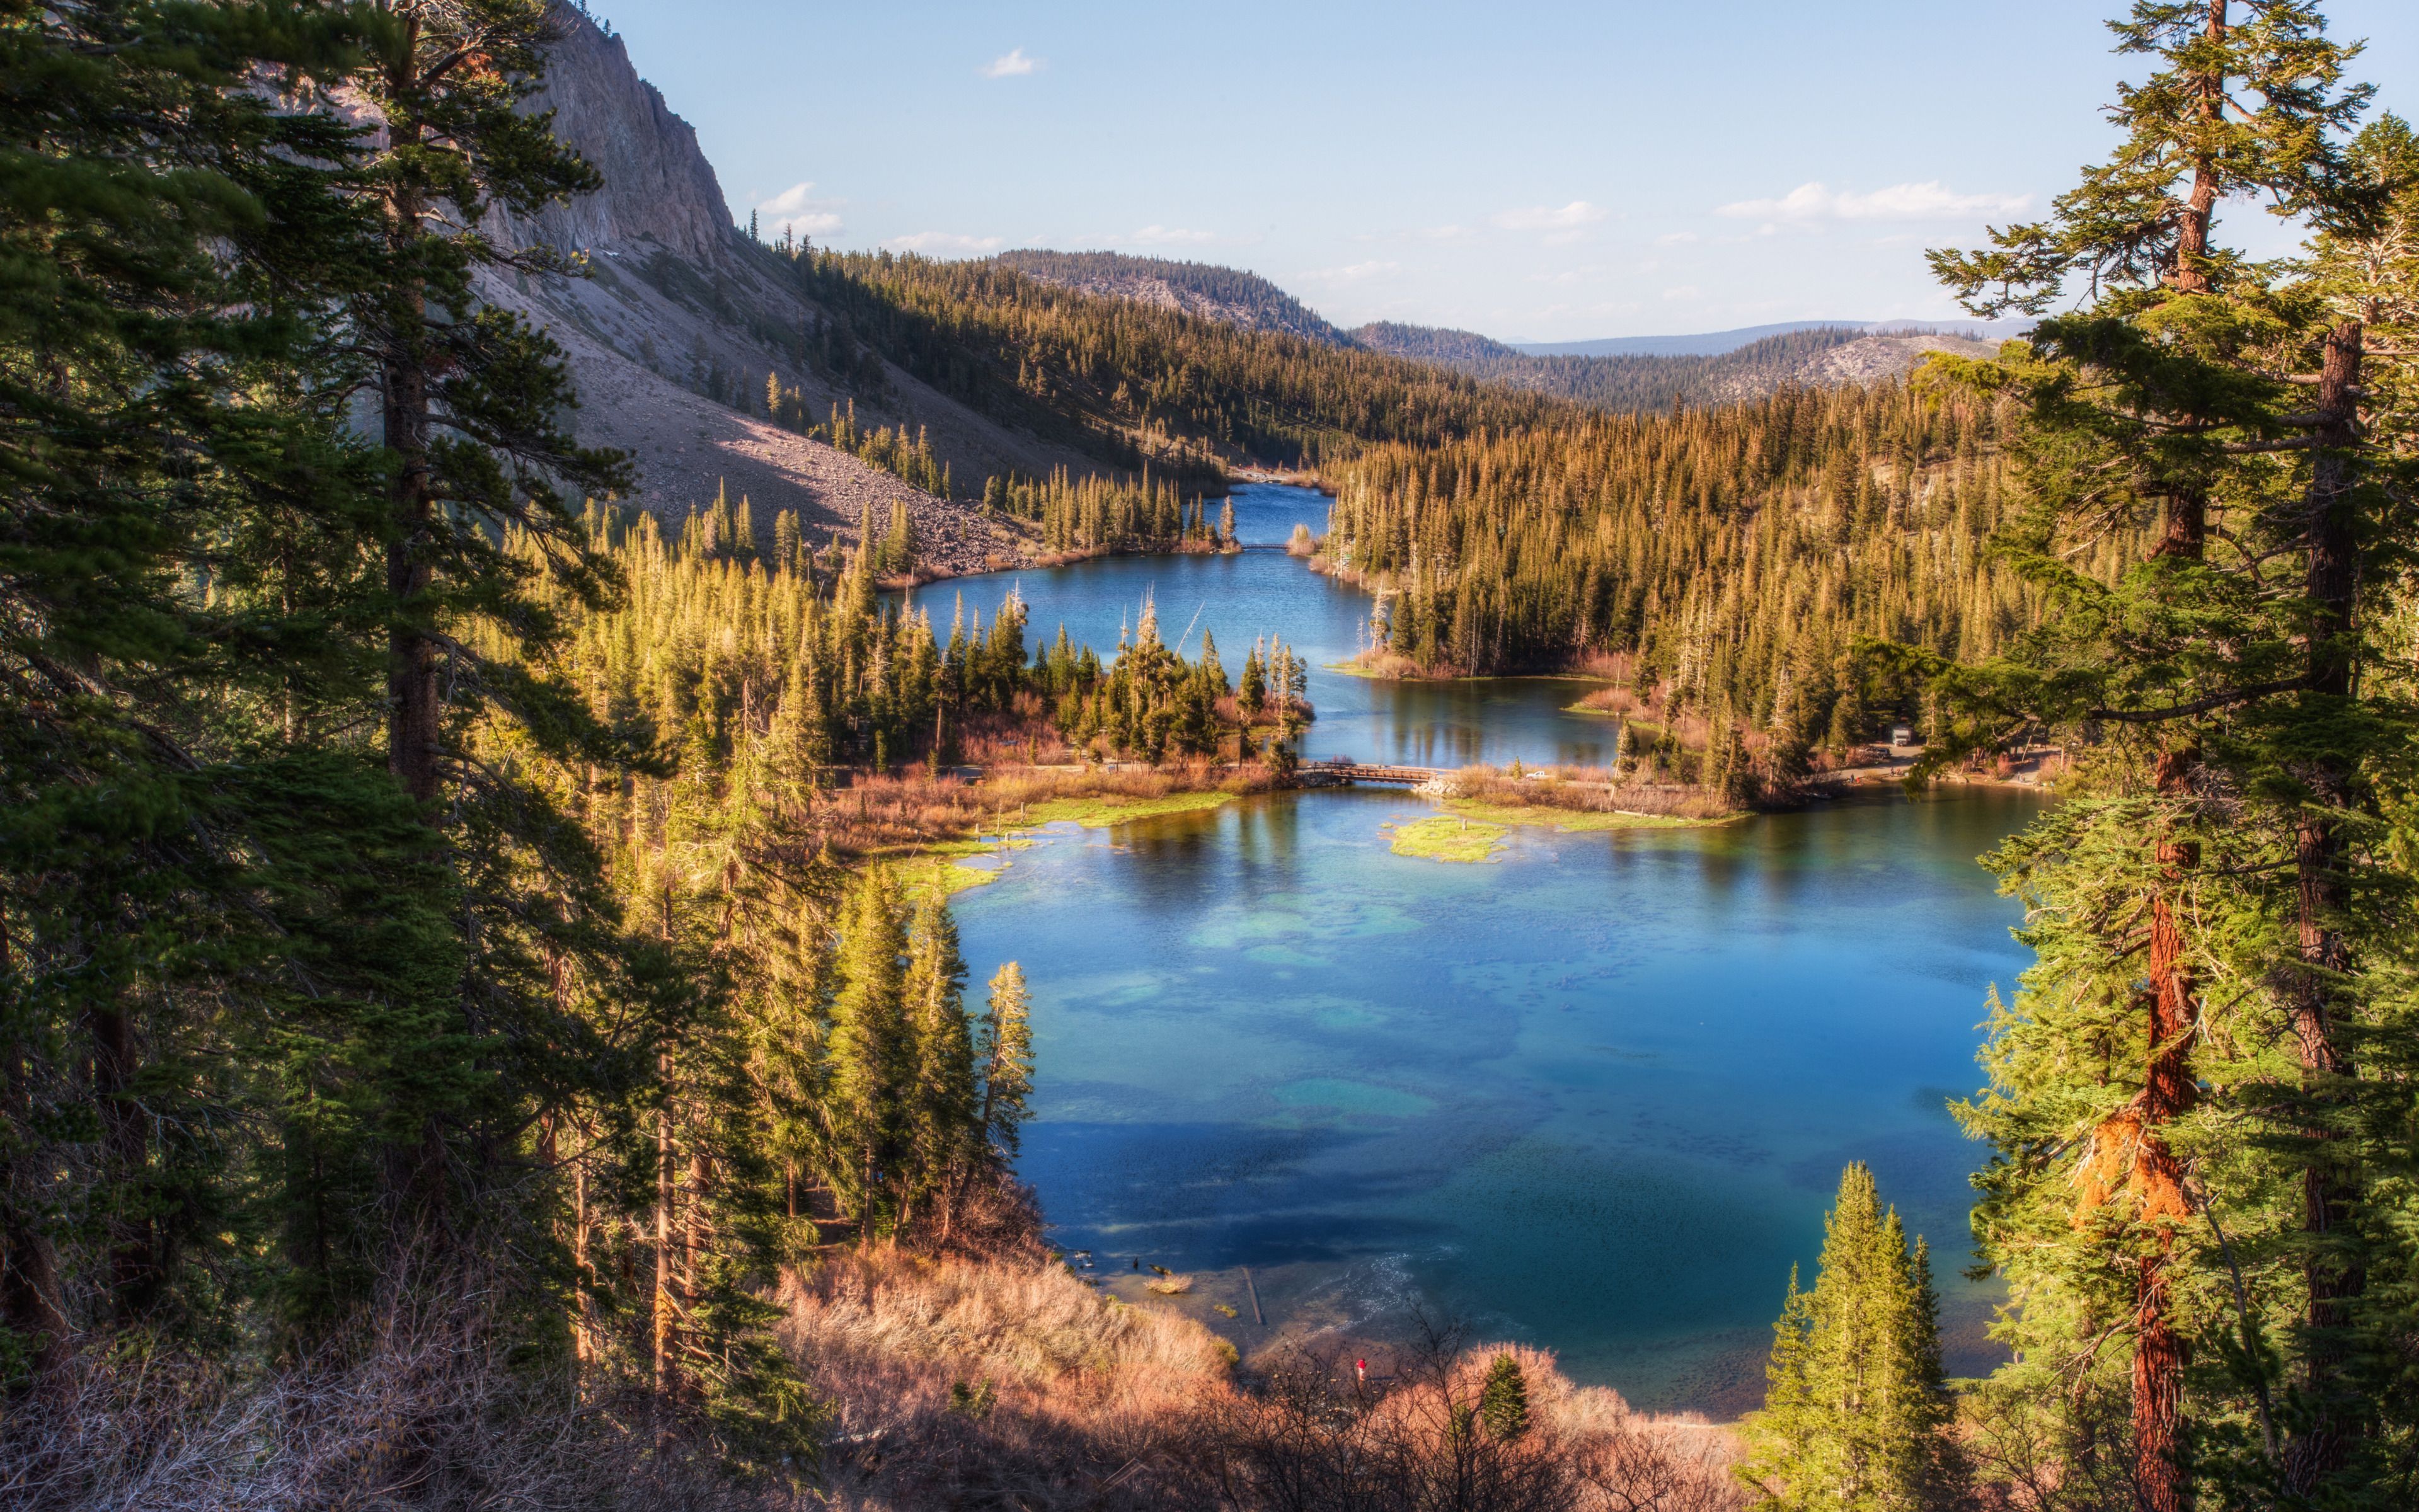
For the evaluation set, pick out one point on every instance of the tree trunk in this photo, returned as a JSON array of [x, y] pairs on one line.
[[412, 655], [583, 1282], [2322, 1444], [2192, 231], [2168, 1088], [2167, 1093], [31, 1297], [125, 1152], [664, 1178]]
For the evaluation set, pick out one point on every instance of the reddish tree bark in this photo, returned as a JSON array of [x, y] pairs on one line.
[[2322, 1445]]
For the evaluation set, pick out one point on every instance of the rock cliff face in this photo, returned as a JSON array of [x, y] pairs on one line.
[[657, 184], [678, 302]]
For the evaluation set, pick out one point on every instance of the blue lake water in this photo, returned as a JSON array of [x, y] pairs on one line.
[[1594, 1094], [1261, 591]]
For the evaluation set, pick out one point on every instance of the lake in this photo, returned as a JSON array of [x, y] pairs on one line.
[[1260, 591], [1594, 1095]]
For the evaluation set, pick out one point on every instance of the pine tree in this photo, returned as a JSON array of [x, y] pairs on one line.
[[1007, 1060], [1855, 1407], [2172, 395], [1503, 1400], [941, 1109], [872, 1050]]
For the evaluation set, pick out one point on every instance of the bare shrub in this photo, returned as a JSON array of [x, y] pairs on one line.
[[1586, 790], [957, 1383], [416, 1407], [1315, 1438], [947, 1382]]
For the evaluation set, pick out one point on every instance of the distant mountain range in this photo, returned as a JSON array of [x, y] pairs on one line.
[[1811, 355], [1619, 373], [1715, 342]]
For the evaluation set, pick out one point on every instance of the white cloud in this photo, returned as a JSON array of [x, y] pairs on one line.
[[1929, 201], [1012, 64], [1675, 238], [1171, 236], [796, 208], [1445, 233], [1352, 272], [935, 243], [1577, 213], [1684, 291]]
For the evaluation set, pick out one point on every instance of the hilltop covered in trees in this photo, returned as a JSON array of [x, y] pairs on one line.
[[1132, 383], [1721, 565], [1227, 294]]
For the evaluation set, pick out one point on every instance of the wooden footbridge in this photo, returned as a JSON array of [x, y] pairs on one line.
[[1342, 771]]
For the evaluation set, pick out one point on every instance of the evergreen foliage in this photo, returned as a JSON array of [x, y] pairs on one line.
[[1725, 562], [1503, 1400], [2197, 1197], [782, 676], [1855, 1410], [371, 923], [1226, 294], [1132, 384]]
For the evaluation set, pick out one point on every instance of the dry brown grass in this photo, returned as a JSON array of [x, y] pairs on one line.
[[946, 1382], [416, 1409], [988, 1383], [981, 1383], [1585, 790], [883, 814]]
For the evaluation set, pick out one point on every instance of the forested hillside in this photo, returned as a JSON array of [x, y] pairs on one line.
[[1135, 384], [1658, 383], [1227, 294], [1721, 563]]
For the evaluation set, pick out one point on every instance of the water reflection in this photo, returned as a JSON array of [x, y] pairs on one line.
[[1595, 1095]]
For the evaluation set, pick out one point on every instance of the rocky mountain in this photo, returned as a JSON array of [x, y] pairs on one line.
[[1806, 356], [672, 337], [1628, 372], [1715, 342], [684, 319], [1205, 289]]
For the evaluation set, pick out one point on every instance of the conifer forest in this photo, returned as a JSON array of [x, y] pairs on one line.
[[484, 1020]]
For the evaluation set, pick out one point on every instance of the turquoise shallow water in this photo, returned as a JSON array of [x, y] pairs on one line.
[[1594, 1094]]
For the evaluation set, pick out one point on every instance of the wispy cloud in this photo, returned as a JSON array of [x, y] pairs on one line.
[[1675, 238], [1011, 64], [1352, 272], [796, 208], [1929, 201], [1578, 213], [1684, 292], [936, 242], [1171, 236]]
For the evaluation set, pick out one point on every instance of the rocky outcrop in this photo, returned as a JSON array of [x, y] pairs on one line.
[[658, 187]]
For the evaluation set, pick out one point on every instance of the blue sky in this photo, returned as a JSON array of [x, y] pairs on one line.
[[1533, 169]]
